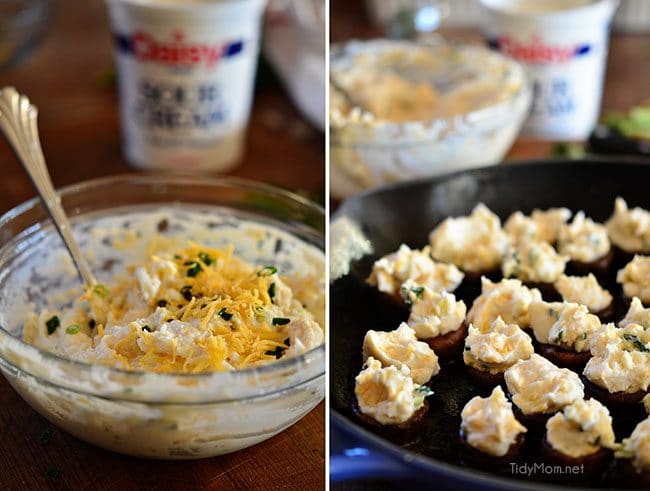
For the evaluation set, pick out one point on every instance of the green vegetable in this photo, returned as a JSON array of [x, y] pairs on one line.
[[636, 342], [207, 260], [194, 269], [271, 291], [162, 303], [52, 324], [147, 329], [101, 290], [267, 271], [73, 329], [224, 315], [280, 321], [423, 391], [92, 323], [186, 291]]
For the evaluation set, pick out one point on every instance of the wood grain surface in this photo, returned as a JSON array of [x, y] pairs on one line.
[[69, 78]]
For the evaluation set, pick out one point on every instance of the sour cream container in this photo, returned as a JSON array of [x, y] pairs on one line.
[[185, 72], [563, 45]]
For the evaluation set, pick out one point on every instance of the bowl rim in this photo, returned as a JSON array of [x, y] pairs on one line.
[[177, 179], [469, 118]]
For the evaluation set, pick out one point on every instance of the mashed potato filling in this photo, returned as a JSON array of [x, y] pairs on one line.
[[433, 313], [533, 262], [636, 314], [489, 425], [190, 310], [567, 325], [583, 428]]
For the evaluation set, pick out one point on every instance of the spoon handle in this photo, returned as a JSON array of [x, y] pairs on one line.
[[18, 124]]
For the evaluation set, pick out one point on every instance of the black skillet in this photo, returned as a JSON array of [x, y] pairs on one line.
[[406, 213]]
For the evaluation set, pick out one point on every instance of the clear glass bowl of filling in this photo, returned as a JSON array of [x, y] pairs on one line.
[[152, 414], [407, 109]]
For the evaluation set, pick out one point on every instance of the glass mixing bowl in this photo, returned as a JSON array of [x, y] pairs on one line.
[[147, 414]]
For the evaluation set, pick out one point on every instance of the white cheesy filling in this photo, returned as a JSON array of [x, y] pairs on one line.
[[583, 239], [498, 348], [584, 290], [637, 447], [581, 429], [629, 229], [401, 347], [433, 313], [635, 278], [508, 299], [533, 262], [636, 314], [388, 394], [620, 359], [473, 243], [489, 425], [542, 226], [391, 271], [538, 386], [567, 325]]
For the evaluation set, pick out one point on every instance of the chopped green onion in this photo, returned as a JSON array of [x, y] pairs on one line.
[[101, 290], [177, 257], [147, 329], [73, 329], [423, 390], [162, 303], [267, 271], [636, 342], [92, 323], [207, 260], [272, 291], [224, 315], [194, 270], [52, 324], [186, 291], [280, 321]]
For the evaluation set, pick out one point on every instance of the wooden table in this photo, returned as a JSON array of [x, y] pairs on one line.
[[627, 83], [68, 78]]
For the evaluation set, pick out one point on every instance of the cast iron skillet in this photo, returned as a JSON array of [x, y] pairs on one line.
[[406, 213]]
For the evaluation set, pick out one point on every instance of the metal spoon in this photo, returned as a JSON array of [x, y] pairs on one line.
[[18, 124]]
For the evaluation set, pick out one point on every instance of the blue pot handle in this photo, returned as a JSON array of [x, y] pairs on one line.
[[351, 460], [360, 463]]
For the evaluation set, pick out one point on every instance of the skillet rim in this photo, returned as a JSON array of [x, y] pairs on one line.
[[417, 461]]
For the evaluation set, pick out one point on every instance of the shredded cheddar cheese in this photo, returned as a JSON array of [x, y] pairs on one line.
[[190, 310]]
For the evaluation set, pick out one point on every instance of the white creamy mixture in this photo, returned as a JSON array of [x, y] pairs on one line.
[[620, 359], [538, 386], [584, 290], [433, 313], [497, 348], [567, 325], [636, 314], [541, 225], [635, 278], [533, 262], [629, 229], [166, 304], [508, 299], [401, 347], [581, 429], [489, 425], [391, 271], [583, 239], [473, 243], [637, 447], [388, 394]]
